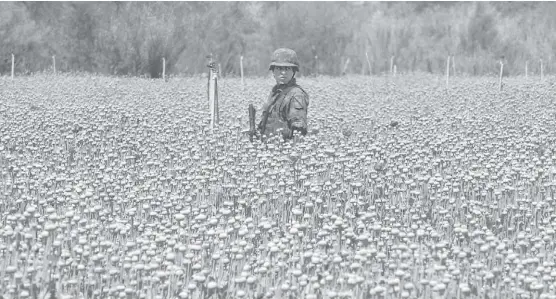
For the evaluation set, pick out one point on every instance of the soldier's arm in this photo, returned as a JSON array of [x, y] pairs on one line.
[[297, 111]]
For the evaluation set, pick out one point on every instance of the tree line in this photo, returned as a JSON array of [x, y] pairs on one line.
[[131, 38]]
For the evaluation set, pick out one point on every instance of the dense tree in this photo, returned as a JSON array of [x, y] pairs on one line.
[[131, 38]]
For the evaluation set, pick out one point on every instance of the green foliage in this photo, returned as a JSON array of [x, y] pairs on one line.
[[22, 36], [131, 38]]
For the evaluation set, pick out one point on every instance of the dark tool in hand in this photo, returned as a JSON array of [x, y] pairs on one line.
[[251, 122]]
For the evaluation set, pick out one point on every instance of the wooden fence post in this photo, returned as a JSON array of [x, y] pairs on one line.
[[453, 65], [447, 71], [213, 98], [316, 65], [241, 70], [391, 65], [542, 71], [346, 66], [501, 73], [13, 66], [164, 68], [368, 62]]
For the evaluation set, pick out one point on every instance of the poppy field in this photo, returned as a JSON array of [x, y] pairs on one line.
[[117, 188]]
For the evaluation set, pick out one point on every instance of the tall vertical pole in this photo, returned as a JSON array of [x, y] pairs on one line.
[[346, 66], [317, 65], [213, 95], [501, 72], [164, 68], [241, 70], [54, 63], [542, 71], [448, 71], [453, 65], [368, 62], [391, 65], [216, 100], [13, 66], [211, 98]]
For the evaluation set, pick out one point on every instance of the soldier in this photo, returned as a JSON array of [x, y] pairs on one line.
[[286, 108]]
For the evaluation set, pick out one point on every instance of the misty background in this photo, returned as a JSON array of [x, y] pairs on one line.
[[131, 38]]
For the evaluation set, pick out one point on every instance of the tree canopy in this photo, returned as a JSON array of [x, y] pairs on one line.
[[131, 38]]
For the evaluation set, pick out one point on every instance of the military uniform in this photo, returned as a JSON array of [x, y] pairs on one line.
[[287, 104]]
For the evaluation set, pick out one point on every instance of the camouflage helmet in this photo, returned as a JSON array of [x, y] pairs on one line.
[[284, 57]]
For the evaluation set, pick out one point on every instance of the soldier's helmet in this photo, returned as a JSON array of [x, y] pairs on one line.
[[284, 57]]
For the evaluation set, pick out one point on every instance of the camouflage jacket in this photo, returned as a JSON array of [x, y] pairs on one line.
[[287, 110]]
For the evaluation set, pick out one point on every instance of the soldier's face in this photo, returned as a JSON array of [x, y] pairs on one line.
[[283, 74]]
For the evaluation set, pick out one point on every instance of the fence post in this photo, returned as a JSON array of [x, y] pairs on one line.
[[241, 70], [213, 99], [216, 100], [316, 65], [346, 65], [526, 69], [54, 63], [368, 62], [501, 72], [391, 65], [542, 73], [13, 66], [164, 68], [453, 65], [448, 71]]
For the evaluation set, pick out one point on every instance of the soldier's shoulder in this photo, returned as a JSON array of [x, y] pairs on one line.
[[299, 95], [298, 91]]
